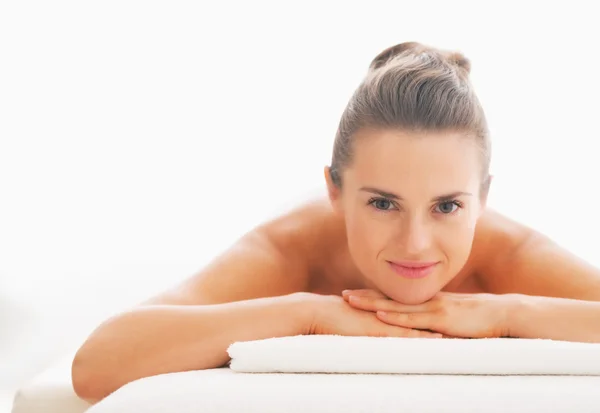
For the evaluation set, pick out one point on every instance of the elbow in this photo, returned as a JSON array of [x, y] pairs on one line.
[[95, 367], [90, 383]]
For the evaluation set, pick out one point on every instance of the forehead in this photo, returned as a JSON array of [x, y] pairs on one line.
[[407, 162]]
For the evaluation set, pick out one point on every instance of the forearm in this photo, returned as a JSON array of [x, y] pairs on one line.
[[160, 339], [555, 319]]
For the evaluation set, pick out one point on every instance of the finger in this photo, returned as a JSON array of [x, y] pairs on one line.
[[423, 321], [396, 331], [379, 304]]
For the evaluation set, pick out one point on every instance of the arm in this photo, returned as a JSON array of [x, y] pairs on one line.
[[191, 326], [554, 318], [556, 294]]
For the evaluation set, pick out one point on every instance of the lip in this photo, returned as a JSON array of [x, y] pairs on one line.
[[412, 269]]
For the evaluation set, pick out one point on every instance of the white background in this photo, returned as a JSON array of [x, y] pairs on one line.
[[139, 139]]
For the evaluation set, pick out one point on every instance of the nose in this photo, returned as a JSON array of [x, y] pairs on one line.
[[415, 235]]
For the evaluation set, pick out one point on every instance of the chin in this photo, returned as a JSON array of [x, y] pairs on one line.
[[413, 299], [410, 296], [413, 292]]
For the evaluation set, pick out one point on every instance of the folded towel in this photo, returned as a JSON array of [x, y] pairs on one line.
[[340, 354]]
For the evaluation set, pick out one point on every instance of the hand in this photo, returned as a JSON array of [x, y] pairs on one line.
[[333, 315], [452, 314]]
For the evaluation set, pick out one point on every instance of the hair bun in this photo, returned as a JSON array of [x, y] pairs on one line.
[[458, 59], [452, 57], [388, 54]]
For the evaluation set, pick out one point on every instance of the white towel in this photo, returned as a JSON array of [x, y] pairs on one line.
[[339, 354]]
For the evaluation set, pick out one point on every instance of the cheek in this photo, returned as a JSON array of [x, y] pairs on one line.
[[367, 236], [456, 240]]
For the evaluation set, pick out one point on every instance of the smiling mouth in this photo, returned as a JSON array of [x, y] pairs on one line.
[[413, 270]]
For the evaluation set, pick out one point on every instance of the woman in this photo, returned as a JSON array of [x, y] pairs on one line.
[[404, 246]]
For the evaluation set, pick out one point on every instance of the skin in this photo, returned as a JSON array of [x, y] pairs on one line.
[[486, 261], [323, 268], [392, 212], [494, 277]]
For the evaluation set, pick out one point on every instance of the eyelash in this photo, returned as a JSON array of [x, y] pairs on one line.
[[372, 201]]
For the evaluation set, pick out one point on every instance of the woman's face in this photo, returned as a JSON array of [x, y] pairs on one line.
[[410, 200]]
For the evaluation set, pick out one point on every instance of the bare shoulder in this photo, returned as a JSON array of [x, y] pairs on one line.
[[275, 258], [497, 238], [300, 233], [515, 258], [497, 232]]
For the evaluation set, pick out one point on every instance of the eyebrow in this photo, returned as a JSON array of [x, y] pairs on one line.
[[391, 195]]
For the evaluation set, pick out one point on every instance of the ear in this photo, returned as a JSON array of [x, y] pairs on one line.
[[333, 191], [485, 191]]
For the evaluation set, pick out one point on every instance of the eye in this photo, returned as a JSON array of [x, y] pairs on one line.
[[381, 204], [448, 207]]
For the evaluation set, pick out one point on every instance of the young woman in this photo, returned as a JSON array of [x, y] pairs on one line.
[[404, 246]]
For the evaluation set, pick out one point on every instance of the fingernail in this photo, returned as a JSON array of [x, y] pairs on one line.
[[354, 298], [345, 292]]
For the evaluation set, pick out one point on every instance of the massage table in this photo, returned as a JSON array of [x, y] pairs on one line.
[[341, 374]]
